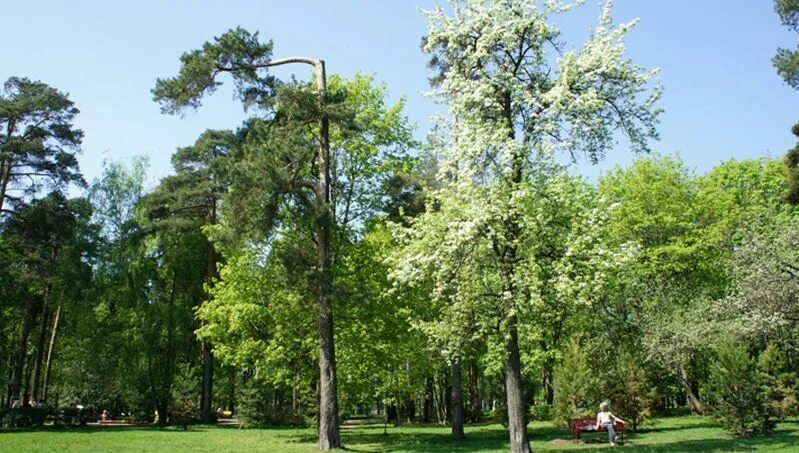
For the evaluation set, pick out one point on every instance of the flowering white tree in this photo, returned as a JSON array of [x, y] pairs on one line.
[[516, 97], [764, 302]]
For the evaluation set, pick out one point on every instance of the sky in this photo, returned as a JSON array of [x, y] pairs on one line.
[[722, 99]]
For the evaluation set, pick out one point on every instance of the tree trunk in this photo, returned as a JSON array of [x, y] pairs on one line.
[[207, 387], [457, 402], [231, 402], [329, 437], [206, 393], [507, 253], [474, 392], [428, 399], [19, 362], [5, 177], [49, 366], [690, 395], [37, 368], [547, 379], [517, 415]]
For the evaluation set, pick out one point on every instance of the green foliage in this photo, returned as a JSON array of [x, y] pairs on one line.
[[38, 142], [184, 409], [792, 165], [786, 61], [575, 385], [237, 52], [630, 391], [541, 413], [257, 408], [782, 383], [737, 393]]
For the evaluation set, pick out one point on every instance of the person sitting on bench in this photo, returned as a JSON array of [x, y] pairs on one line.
[[606, 419]]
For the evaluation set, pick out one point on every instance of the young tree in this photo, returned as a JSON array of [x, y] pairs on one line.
[[38, 141], [737, 392], [574, 387], [509, 102]]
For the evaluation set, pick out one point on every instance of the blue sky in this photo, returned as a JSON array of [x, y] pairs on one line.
[[722, 97]]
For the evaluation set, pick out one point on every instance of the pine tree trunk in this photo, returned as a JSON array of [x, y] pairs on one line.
[[37, 367], [19, 360], [329, 437], [206, 393], [5, 177], [207, 387], [457, 402], [49, 366]]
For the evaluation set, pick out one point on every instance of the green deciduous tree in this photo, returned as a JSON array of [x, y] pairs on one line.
[[515, 94]]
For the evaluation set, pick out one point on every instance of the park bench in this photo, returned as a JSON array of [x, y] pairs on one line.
[[588, 425]]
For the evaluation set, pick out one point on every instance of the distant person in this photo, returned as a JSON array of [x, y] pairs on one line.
[[104, 416], [606, 419]]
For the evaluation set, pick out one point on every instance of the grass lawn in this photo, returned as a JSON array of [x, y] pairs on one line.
[[681, 434]]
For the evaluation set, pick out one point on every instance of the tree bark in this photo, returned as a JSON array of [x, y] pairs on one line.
[[207, 387], [474, 392], [19, 361], [547, 379], [517, 415], [457, 402], [428, 399], [49, 366], [693, 399], [37, 367], [329, 437], [5, 176], [206, 395]]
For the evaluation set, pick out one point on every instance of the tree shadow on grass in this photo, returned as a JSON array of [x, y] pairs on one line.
[[372, 439], [495, 438]]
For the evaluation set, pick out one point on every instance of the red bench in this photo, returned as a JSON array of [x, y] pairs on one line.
[[588, 425]]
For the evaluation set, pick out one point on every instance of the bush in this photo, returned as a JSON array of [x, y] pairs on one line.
[[737, 393], [26, 416], [541, 413], [573, 387]]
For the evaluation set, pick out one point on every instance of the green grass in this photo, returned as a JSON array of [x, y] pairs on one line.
[[681, 434]]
